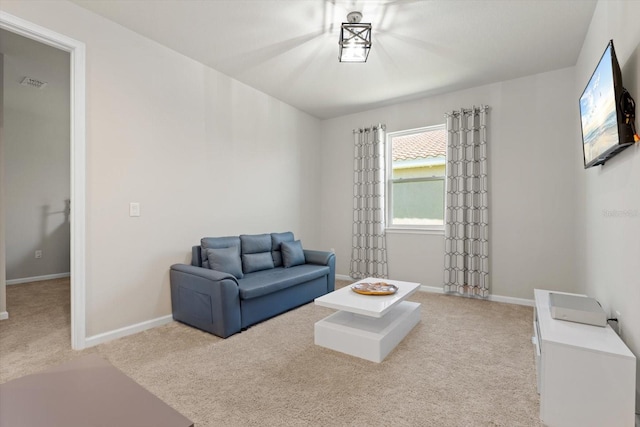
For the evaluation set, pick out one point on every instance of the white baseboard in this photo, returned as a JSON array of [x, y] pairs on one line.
[[4, 315], [127, 330], [38, 278], [438, 290], [512, 300], [496, 298]]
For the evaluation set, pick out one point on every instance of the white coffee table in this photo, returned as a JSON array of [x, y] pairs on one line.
[[367, 326]]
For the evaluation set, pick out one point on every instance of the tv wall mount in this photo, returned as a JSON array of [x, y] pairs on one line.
[[628, 108]]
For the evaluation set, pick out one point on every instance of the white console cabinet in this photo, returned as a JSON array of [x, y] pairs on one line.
[[586, 374]]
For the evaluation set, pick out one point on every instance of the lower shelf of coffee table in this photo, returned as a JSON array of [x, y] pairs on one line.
[[366, 337]]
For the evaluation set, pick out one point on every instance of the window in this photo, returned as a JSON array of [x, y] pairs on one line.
[[416, 164]]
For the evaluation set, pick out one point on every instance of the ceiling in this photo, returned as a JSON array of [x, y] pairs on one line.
[[289, 48], [24, 57]]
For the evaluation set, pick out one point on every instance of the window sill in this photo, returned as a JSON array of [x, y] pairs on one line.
[[398, 230]]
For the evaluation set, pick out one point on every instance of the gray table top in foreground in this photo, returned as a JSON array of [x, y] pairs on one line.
[[87, 391]]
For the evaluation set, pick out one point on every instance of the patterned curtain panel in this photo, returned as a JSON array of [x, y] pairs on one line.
[[369, 253], [466, 269]]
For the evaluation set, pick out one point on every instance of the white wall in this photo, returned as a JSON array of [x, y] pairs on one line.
[[204, 155], [3, 289], [610, 245], [531, 141], [37, 161]]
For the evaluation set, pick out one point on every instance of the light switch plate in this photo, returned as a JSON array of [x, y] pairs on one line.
[[134, 209]]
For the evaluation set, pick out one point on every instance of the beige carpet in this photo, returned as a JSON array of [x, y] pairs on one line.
[[443, 374]]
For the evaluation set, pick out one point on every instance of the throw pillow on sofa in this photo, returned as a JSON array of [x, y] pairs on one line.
[[292, 254], [276, 241], [217, 243], [226, 260]]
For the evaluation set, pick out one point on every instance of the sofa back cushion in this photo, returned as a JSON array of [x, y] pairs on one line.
[[255, 252], [217, 243], [227, 260], [276, 241]]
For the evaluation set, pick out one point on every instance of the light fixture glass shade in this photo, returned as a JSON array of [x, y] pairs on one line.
[[355, 42]]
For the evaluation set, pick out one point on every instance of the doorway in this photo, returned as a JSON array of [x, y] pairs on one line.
[[36, 159], [77, 151]]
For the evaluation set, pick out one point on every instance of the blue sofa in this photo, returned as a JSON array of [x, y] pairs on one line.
[[237, 281]]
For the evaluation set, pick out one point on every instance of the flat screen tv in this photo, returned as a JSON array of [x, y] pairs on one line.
[[605, 132]]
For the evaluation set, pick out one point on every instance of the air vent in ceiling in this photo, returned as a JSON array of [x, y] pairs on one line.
[[31, 82]]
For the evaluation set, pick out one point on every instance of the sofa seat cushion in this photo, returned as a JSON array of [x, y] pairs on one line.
[[265, 282]]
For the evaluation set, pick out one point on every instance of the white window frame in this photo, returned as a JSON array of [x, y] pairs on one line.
[[409, 228]]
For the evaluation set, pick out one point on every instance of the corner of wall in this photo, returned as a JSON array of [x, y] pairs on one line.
[[3, 288]]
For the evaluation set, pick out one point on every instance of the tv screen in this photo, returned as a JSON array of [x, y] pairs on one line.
[[604, 133]]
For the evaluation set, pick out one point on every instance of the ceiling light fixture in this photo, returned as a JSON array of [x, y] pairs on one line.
[[355, 39]]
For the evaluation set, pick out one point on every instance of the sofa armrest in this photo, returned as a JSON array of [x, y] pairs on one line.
[[204, 298], [318, 257], [323, 258], [204, 273]]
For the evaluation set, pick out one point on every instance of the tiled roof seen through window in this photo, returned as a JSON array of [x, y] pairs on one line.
[[422, 145]]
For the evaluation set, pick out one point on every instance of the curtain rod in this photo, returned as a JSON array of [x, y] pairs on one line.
[[373, 127], [474, 110]]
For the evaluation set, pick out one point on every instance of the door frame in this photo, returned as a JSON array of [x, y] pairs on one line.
[[76, 50]]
